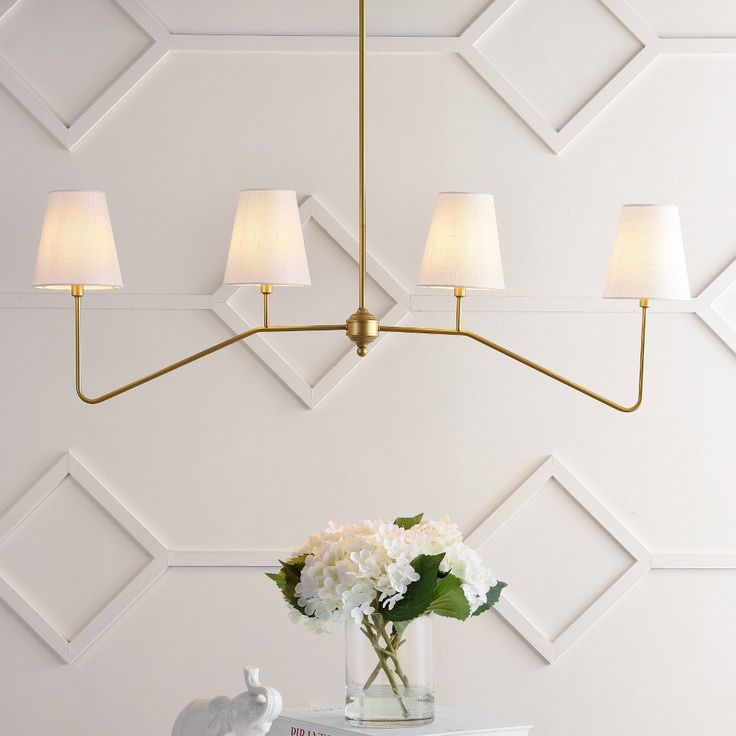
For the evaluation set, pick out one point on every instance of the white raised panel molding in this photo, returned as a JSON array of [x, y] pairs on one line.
[[553, 468], [161, 558], [420, 302], [706, 311], [557, 139], [694, 560], [268, 558], [163, 41], [69, 649], [480, 302], [313, 44], [5, 5], [697, 45], [150, 302], [225, 558], [70, 135], [310, 394]]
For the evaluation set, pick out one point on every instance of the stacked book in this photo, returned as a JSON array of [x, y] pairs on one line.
[[330, 721]]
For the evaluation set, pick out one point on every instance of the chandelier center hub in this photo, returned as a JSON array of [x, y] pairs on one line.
[[362, 328]]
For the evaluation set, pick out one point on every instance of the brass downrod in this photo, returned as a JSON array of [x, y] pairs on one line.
[[361, 154], [362, 327]]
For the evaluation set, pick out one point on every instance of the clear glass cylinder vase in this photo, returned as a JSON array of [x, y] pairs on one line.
[[388, 672]]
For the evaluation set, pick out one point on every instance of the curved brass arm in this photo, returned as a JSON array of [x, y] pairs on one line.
[[179, 363], [541, 369], [383, 328]]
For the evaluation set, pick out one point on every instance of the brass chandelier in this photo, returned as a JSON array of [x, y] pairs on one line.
[[77, 252]]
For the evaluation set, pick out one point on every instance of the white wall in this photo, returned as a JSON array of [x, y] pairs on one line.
[[223, 456]]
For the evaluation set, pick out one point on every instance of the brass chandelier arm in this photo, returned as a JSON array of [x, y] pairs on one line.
[[539, 368], [179, 363]]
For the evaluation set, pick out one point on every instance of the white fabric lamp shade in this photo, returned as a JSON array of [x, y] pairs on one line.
[[462, 248], [648, 260], [77, 245], [267, 245]]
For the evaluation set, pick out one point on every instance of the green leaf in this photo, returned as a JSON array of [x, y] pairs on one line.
[[293, 567], [399, 628], [449, 599], [287, 578], [407, 522], [492, 598], [419, 593], [285, 587]]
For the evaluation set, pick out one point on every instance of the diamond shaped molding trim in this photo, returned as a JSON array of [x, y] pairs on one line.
[[558, 139], [70, 135], [6, 5], [553, 468], [70, 650], [705, 306], [310, 394], [267, 558], [165, 41]]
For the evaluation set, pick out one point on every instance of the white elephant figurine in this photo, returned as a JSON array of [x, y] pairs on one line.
[[249, 714]]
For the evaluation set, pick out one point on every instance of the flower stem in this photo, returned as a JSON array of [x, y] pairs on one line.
[[390, 646], [397, 642], [383, 657]]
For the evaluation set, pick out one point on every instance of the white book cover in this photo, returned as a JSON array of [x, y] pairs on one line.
[[330, 721]]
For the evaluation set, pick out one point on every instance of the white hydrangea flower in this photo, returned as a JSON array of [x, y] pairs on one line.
[[466, 564], [357, 600], [354, 570]]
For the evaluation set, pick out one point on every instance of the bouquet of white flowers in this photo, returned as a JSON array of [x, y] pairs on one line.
[[380, 575]]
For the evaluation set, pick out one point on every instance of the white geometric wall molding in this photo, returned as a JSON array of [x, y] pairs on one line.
[[252, 44], [69, 134], [552, 468], [693, 560], [557, 137], [162, 42], [70, 648], [716, 306], [420, 302], [650, 46], [123, 301], [265, 558], [310, 394], [486, 302], [160, 559]]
